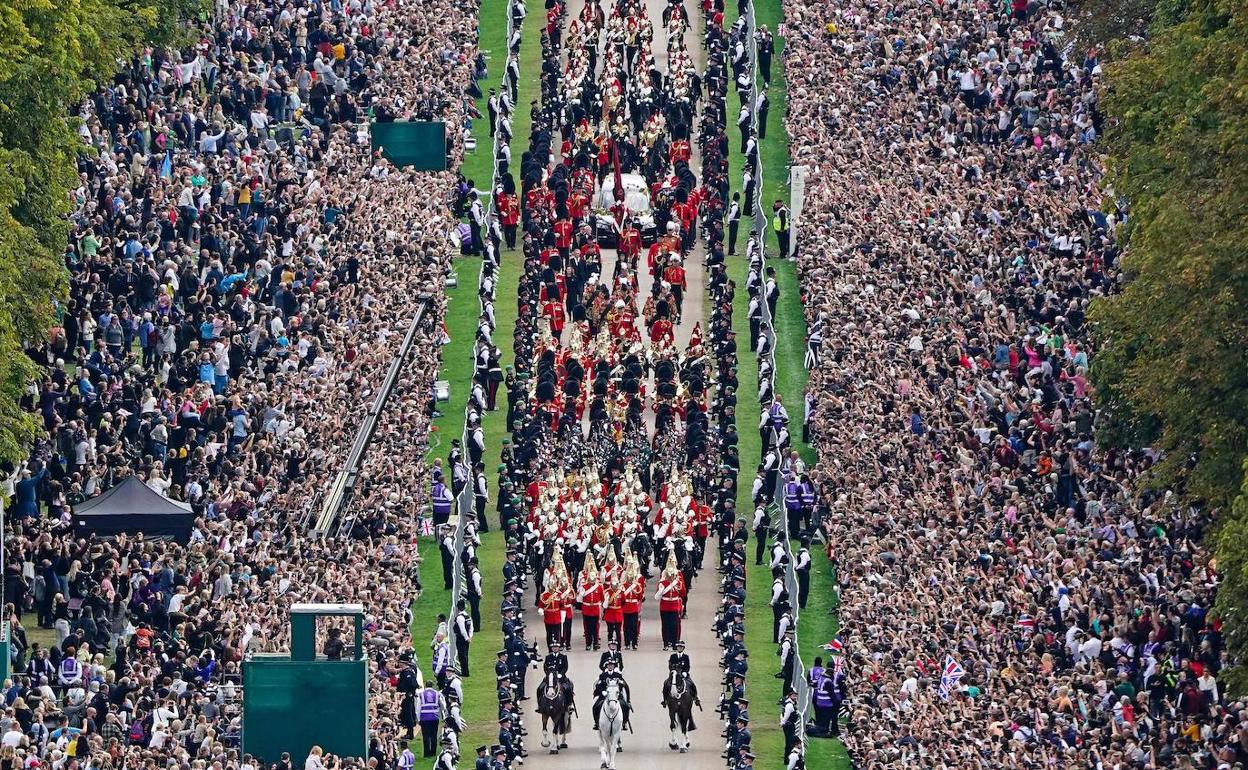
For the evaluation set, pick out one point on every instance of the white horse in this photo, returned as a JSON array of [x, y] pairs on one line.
[[610, 726]]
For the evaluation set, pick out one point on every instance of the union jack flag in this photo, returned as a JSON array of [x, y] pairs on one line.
[[836, 647], [1026, 624], [425, 526], [949, 678]]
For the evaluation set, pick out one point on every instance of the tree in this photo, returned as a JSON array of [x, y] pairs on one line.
[[52, 52], [1232, 601], [1173, 370]]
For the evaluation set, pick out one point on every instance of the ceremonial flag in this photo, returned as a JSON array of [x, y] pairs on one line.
[[953, 673]]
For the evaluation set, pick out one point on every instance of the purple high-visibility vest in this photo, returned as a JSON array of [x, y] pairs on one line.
[[428, 705], [69, 670], [823, 691]]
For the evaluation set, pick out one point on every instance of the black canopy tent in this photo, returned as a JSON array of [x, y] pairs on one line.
[[132, 507]]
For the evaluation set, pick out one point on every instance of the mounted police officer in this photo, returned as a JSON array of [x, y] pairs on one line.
[[612, 675], [555, 665], [612, 654]]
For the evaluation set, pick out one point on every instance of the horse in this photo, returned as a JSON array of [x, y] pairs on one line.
[[555, 703], [610, 726], [680, 694]]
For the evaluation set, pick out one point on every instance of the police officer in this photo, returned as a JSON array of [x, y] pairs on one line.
[[608, 676], [454, 718], [446, 546], [780, 223], [463, 629], [801, 566], [738, 666], [409, 686], [555, 665], [779, 601], [454, 686], [472, 590], [678, 660], [507, 739], [790, 718], [448, 756], [612, 654], [762, 523], [740, 736]]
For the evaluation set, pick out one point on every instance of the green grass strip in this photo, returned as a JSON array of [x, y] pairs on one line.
[[478, 165], [480, 706]]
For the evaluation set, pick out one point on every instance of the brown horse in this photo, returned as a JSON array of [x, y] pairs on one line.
[[680, 695], [556, 704]]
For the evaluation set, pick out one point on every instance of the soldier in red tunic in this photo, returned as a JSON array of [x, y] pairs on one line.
[[590, 595]]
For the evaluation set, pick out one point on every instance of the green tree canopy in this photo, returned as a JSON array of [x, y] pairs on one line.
[[1173, 368], [52, 53]]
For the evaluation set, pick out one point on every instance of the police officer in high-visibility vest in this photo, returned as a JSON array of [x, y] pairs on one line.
[[780, 223]]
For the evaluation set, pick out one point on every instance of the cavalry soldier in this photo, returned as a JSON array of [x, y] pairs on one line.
[[613, 610], [631, 598], [552, 613], [590, 595], [671, 596]]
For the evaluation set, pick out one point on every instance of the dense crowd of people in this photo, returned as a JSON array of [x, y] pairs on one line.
[[242, 270], [1011, 597]]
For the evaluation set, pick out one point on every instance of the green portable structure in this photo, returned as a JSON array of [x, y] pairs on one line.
[[4, 650], [420, 144], [292, 702]]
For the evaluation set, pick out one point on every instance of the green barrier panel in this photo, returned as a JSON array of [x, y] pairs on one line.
[[293, 705], [297, 701], [419, 144], [4, 651]]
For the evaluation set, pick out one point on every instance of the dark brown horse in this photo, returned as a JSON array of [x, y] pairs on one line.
[[556, 704]]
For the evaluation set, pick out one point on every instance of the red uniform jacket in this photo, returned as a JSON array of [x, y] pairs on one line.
[[591, 605], [563, 234], [508, 209], [614, 613], [632, 596], [674, 599], [675, 275], [552, 608]]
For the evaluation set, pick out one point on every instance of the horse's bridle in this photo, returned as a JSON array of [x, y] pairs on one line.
[[681, 686]]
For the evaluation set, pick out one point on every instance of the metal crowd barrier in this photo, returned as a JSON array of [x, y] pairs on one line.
[[761, 227]]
